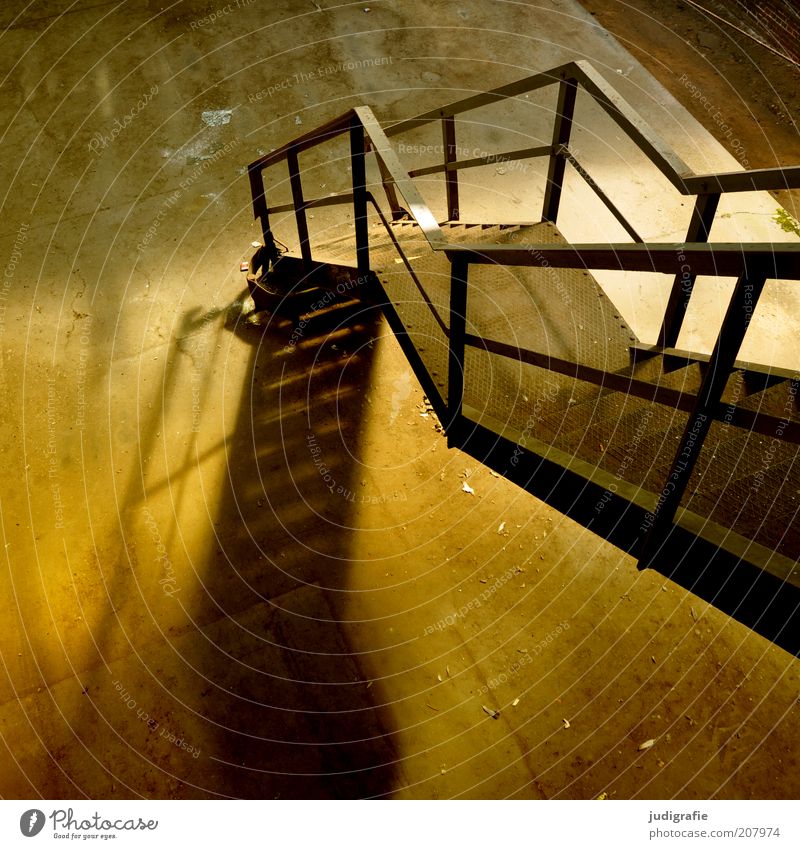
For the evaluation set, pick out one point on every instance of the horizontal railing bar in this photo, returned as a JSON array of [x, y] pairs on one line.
[[314, 203], [589, 180], [756, 180], [639, 348], [490, 159], [326, 132], [669, 163], [728, 259], [648, 141], [662, 156], [749, 420], [475, 101]]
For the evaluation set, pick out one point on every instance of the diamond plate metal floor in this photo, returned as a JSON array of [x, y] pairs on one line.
[[565, 314]]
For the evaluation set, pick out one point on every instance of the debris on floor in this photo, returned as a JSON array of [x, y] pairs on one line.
[[646, 745], [467, 488], [216, 117], [495, 714]]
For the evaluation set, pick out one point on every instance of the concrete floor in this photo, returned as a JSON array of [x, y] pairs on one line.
[[192, 611]]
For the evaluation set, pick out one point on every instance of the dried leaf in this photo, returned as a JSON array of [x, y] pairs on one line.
[[467, 488], [646, 745], [495, 714], [566, 723]]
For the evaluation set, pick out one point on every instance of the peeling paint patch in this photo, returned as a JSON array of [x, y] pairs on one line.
[[217, 117]]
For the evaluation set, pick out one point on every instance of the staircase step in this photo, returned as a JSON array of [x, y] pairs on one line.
[[617, 417], [499, 234], [637, 445], [661, 371], [761, 506], [730, 455], [574, 419], [781, 400]]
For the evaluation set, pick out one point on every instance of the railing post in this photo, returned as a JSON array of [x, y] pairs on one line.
[[740, 310], [260, 210], [705, 209], [299, 207], [562, 127], [359, 168], [459, 269], [391, 193], [450, 155]]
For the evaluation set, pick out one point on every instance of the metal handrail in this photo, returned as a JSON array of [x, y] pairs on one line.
[[751, 264], [722, 259], [649, 142]]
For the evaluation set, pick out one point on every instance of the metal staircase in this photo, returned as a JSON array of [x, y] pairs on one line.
[[687, 461]]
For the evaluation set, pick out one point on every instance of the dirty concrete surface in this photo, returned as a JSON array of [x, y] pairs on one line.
[[234, 571]]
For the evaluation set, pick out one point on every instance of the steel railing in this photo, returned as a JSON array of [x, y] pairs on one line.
[[750, 264]]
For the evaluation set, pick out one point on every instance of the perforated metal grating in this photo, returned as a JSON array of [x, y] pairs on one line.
[[743, 481]]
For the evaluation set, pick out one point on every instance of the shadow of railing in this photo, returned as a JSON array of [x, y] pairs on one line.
[[296, 717]]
